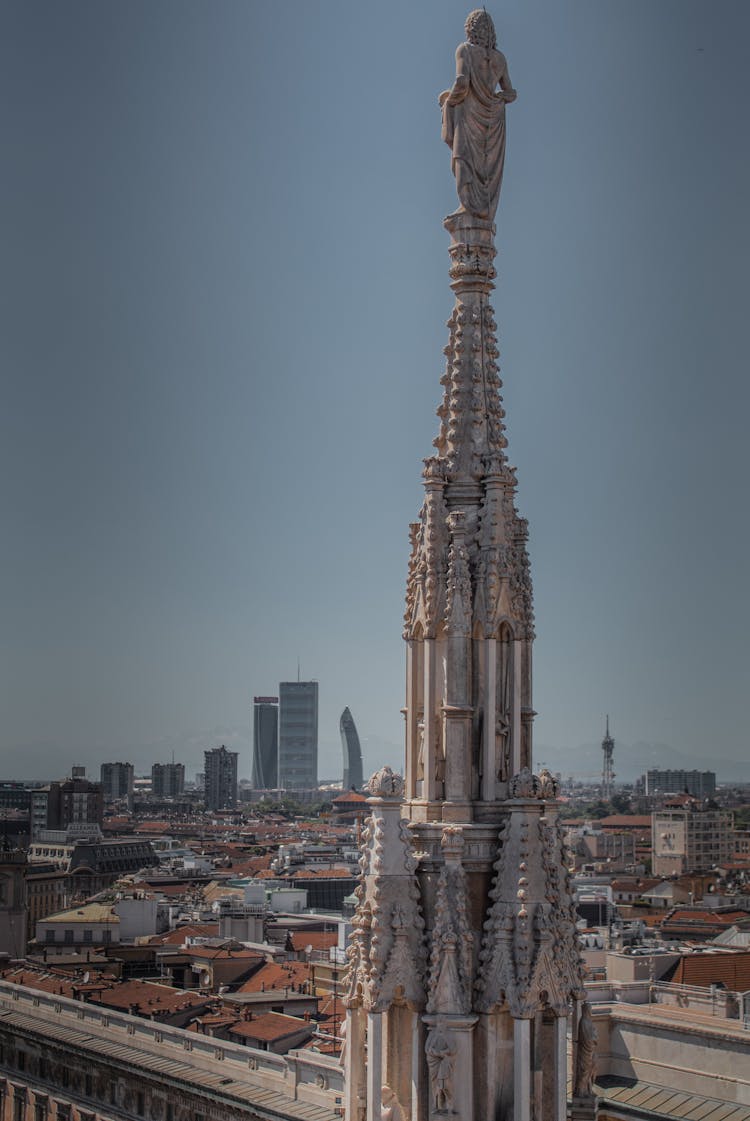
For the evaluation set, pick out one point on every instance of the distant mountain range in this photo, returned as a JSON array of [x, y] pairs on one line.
[[633, 760]]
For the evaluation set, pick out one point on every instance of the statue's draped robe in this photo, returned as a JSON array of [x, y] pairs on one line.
[[474, 129]]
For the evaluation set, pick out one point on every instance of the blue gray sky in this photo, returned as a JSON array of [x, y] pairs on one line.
[[223, 294]]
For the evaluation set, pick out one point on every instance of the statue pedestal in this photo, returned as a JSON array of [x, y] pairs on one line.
[[467, 229], [583, 1109]]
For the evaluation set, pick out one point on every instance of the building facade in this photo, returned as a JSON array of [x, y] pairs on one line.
[[691, 839], [13, 904], [168, 780], [265, 772], [73, 802], [117, 782], [701, 784], [66, 1060], [298, 735], [221, 779], [353, 778]]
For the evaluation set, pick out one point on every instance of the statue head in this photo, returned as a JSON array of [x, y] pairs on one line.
[[480, 30]]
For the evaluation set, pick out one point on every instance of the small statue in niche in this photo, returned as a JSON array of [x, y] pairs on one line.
[[474, 117], [502, 740], [504, 686], [439, 771], [440, 1056], [420, 749]]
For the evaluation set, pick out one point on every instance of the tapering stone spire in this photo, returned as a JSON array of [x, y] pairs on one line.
[[469, 617], [464, 963]]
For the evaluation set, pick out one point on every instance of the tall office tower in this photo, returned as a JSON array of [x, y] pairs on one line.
[[117, 781], [265, 773], [167, 779], [298, 735], [608, 773], [221, 778], [352, 752], [464, 966]]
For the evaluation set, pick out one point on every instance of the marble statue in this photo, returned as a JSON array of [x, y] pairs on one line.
[[474, 117], [391, 1109], [585, 1070], [440, 1057]]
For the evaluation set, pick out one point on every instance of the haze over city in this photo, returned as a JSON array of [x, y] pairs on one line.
[[224, 295]]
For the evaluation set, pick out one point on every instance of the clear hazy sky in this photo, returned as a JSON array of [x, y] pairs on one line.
[[223, 294]]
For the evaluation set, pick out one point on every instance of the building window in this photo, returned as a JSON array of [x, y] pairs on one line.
[[40, 1109], [88, 936], [141, 1103], [88, 1085], [63, 1111], [106, 936], [19, 1105], [68, 936], [170, 1112], [49, 936]]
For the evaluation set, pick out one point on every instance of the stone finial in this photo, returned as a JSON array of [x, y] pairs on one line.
[[525, 785], [434, 469], [452, 840], [385, 783], [548, 784]]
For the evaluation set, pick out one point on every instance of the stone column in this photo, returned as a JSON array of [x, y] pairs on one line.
[[488, 792], [374, 1065], [521, 1070], [561, 1068], [353, 1066], [430, 721], [416, 1067]]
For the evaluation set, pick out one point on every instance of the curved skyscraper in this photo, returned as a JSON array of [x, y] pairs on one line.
[[265, 775], [352, 752]]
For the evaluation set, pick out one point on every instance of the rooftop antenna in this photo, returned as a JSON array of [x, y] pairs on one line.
[[298, 671]]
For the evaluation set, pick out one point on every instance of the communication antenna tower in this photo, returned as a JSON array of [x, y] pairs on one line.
[[608, 774]]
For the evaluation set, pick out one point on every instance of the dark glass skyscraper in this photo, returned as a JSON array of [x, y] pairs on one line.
[[352, 752], [265, 775], [298, 735]]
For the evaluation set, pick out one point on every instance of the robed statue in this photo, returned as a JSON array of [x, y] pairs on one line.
[[474, 117]]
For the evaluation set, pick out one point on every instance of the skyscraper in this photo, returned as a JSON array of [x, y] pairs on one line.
[[117, 781], [168, 779], [352, 752], [265, 773], [298, 735], [221, 778]]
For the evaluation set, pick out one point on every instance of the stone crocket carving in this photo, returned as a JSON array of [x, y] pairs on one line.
[[474, 117]]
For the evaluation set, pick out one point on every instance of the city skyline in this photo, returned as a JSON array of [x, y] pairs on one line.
[[195, 347]]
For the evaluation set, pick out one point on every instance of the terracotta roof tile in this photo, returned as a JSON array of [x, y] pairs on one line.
[[270, 1027], [732, 970], [276, 975], [178, 936]]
